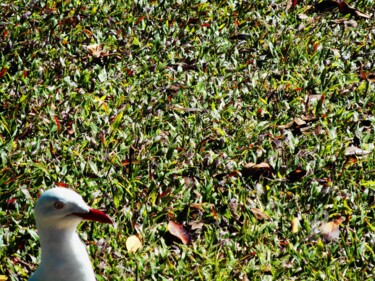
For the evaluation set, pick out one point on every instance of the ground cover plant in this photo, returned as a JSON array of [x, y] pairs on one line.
[[234, 139]]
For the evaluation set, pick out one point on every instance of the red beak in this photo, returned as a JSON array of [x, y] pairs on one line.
[[94, 215]]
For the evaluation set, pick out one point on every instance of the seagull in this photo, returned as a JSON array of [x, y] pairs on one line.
[[64, 257]]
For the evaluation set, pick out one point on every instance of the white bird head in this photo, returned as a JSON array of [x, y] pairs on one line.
[[64, 256], [63, 208]]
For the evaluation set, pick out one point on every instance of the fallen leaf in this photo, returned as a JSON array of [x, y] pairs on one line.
[[233, 206], [296, 175], [5, 33], [298, 122], [350, 161], [290, 4], [3, 278], [353, 150], [2, 72], [330, 230], [196, 206], [87, 32], [133, 244], [139, 20], [257, 170], [214, 213], [57, 124], [96, 50], [346, 22], [295, 225], [371, 77], [346, 9], [61, 184], [179, 231], [196, 225], [259, 215], [309, 118], [164, 193]]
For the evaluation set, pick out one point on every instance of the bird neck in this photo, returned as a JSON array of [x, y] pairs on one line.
[[63, 242], [64, 253], [56, 238]]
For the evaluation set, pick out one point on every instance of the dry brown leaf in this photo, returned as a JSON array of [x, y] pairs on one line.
[[306, 130], [214, 213], [330, 230], [346, 22], [287, 126], [346, 9], [96, 50], [196, 225], [290, 4], [309, 118], [299, 121], [133, 244], [259, 215], [197, 206], [353, 150], [296, 175], [256, 170], [371, 77], [295, 225], [87, 32], [179, 231]]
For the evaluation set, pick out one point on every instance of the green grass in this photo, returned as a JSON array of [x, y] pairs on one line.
[[177, 105]]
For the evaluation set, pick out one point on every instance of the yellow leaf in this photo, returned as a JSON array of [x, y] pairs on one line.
[[3, 278], [133, 244], [295, 225], [330, 230]]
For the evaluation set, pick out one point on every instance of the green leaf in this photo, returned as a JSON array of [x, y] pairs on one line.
[[116, 123]]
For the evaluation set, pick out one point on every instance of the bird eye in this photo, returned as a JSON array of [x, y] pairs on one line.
[[58, 205]]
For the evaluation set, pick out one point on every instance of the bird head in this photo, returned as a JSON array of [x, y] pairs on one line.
[[64, 208]]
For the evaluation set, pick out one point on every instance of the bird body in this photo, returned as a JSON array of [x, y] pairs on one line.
[[64, 256]]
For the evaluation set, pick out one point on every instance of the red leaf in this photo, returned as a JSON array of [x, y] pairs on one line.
[[206, 25], [316, 46], [291, 4], [234, 173], [161, 195], [52, 151], [2, 72], [24, 73], [214, 213], [12, 180], [343, 7], [139, 19], [57, 124], [11, 200], [5, 33], [61, 184], [179, 231], [130, 73]]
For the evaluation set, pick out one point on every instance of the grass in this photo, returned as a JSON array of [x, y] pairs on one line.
[[160, 124]]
